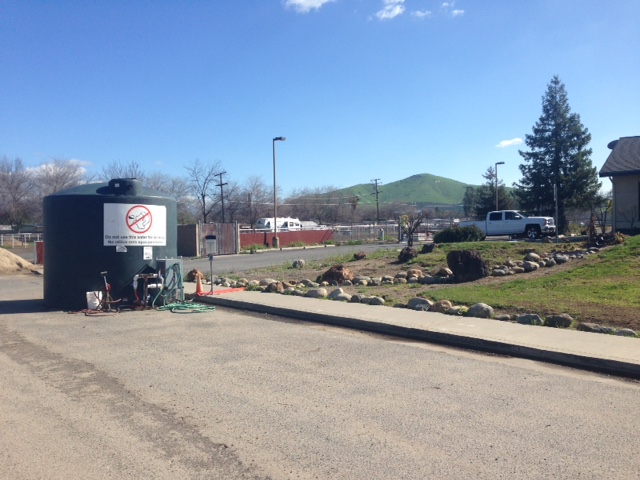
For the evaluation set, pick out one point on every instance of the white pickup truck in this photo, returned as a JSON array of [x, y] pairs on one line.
[[514, 224]]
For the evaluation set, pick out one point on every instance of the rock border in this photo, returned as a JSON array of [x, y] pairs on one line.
[[441, 275]]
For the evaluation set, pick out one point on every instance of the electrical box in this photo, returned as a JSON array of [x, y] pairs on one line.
[[172, 272]]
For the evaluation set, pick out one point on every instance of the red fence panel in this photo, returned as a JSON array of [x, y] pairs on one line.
[[308, 237], [39, 246]]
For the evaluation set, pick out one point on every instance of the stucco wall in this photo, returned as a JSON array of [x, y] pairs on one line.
[[626, 201]]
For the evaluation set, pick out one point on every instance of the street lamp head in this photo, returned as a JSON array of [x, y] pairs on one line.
[[499, 163], [279, 139]]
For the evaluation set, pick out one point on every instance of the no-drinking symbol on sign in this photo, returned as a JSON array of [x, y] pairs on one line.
[[139, 219], [135, 224]]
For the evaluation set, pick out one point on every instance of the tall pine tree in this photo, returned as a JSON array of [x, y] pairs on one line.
[[558, 156]]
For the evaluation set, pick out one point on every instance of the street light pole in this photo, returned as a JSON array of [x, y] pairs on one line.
[[496, 172], [275, 242]]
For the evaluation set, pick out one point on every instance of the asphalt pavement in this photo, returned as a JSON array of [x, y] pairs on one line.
[[609, 354]]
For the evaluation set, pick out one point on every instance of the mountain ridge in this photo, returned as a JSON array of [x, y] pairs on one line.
[[420, 189]]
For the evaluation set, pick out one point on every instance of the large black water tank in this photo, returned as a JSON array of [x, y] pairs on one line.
[[121, 227]]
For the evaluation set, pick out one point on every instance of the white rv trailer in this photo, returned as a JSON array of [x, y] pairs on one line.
[[284, 224]]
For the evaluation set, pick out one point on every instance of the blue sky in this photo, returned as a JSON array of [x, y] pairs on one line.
[[361, 89]]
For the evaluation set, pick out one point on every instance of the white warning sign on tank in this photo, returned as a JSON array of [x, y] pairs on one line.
[[135, 224]]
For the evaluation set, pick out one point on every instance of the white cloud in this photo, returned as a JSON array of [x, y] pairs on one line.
[[305, 6], [422, 13], [392, 9], [447, 8], [509, 143]]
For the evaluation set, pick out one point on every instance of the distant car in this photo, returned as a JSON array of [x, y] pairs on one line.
[[514, 224]]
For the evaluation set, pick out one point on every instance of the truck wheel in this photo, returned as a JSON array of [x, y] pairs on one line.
[[532, 232]]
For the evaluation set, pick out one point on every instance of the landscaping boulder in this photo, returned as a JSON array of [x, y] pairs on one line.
[[339, 295], [376, 301], [357, 298], [334, 293], [480, 310], [457, 310], [626, 332], [359, 256], [427, 280], [336, 275], [406, 254], [594, 328], [317, 293], [467, 265], [343, 297], [529, 319], [193, 275], [299, 263], [418, 303], [428, 248], [563, 320], [441, 272], [441, 306], [275, 287], [414, 272], [532, 257]]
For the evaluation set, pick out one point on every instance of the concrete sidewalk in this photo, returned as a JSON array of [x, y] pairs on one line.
[[609, 354]]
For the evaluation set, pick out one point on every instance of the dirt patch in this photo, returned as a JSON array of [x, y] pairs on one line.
[[12, 264]]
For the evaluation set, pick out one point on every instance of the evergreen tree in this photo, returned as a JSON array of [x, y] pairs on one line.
[[558, 156], [469, 201], [486, 195]]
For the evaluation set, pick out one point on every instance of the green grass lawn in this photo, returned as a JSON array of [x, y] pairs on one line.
[[604, 285]]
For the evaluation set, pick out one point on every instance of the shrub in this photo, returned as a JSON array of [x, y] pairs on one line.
[[254, 247], [458, 234], [354, 242]]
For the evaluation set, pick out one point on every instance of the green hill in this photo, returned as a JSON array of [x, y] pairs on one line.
[[422, 189]]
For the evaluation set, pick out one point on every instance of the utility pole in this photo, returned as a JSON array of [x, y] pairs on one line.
[[221, 191], [496, 174], [376, 193]]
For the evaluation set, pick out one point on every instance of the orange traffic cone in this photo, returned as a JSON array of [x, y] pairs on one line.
[[199, 290]]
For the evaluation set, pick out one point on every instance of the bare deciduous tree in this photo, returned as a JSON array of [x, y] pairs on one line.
[[409, 225], [118, 169], [57, 175], [318, 204], [256, 200], [201, 181], [177, 187], [17, 200]]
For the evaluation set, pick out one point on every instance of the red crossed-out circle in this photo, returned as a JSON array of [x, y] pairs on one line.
[[139, 219]]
